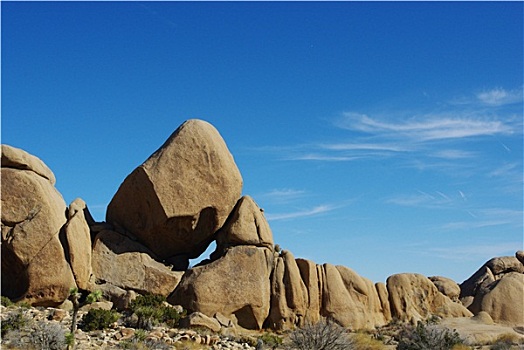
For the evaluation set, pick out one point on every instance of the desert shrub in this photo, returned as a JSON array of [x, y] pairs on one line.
[[189, 345], [5, 301], [271, 340], [363, 341], [14, 321], [48, 336], [505, 341], [461, 347], [422, 337], [99, 319], [151, 310], [324, 335]]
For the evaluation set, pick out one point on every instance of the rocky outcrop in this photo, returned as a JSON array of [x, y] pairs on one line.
[[414, 297], [498, 289], [34, 265], [121, 262], [181, 195], [236, 285]]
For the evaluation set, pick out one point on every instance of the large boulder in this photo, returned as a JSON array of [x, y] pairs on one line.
[[34, 265], [503, 300], [236, 286], [481, 282], [446, 286], [246, 225], [176, 200], [79, 242], [16, 158], [414, 297], [121, 262]]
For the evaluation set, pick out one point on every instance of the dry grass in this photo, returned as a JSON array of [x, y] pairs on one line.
[[363, 341]]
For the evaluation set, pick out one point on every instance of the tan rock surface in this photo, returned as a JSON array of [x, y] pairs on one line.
[[34, 265], [79, 243], [127, 264], [246, 225], [414, 297], [289, 295], [350, 299], [181, 195], [308, 271], [503, 300], [17, 158], [446, 286], [236, 285]]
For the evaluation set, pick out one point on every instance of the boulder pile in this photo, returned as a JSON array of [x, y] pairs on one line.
[[168, 210]]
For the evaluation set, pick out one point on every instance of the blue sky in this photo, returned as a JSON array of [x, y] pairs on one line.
[[387, 137]]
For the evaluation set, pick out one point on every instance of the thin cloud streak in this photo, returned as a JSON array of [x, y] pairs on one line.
[[300, 214], [500, 96], [426, 128]]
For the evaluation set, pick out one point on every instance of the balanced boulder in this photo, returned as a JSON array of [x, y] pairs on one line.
[[178, 198]]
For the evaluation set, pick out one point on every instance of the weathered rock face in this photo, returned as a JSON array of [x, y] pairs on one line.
[[246, 225], [181, 195], [498, 289], [350, 299], [16, 158], [236, 285], [289, 296], [79, 242], [446, 286], [309, 274], [126, 264], [503, 299], [414, 297], [34, 265]]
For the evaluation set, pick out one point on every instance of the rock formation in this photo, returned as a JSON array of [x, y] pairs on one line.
[[168, 210], [181, 195], [414, 297], [34, 265], [498, 289]]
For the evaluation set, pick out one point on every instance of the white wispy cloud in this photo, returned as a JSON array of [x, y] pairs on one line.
[[453, 154], [301, 213], [421, 199], [282, 195], [426, 128], [474, 251], [323, 157], [365, 147], [500, 96]]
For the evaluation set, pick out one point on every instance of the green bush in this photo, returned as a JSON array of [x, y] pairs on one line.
[[271, 340], [99, 319], [151, 310], [422, 337], [5, 301]]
